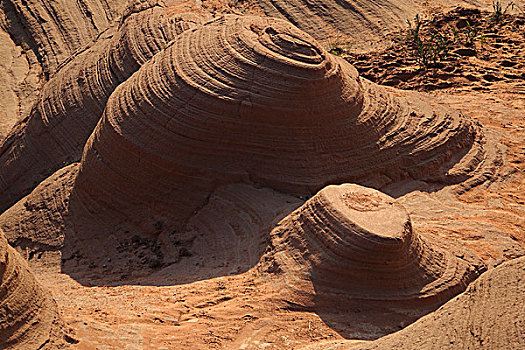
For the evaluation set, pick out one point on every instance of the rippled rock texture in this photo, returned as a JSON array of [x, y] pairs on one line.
[[54, 30], [256, 100], [36, 222], [343, 20], [357, 247], [489, 315], [200, 157], [72, 102], [28, 314]]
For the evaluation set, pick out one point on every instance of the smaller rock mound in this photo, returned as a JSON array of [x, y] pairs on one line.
[[28, 314], [357, 245], [37, 222]]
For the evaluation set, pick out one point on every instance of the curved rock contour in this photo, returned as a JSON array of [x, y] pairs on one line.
[[487, 316], [72, 102], [256, 100], [344, 20], [38, 221], [362, 241], [356, 246], [28, 314], [55, 29]]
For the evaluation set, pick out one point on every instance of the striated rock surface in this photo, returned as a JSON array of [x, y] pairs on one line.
[[28, 314], [256, 100], [344, 20], [356, 24], [175, 226], [54, 30], [356, 246], [37, 222], [72, 102], [14, 73], [489, 315]]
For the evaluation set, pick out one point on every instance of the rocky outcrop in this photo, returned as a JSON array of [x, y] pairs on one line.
[[72, 102], [37, 222], [54, 30], [488, 315], [343, 20], [356, 246], [28, 313], [256, 100]]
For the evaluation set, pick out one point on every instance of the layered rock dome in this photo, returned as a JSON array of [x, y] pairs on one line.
[[72, 102], [351, 248], [28, 314], [256, 100], [360, 241]]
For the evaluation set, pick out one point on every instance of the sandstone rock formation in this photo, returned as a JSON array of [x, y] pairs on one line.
[[13, 74], [488, 315], [72, 102], [37, 222], [255, 100], [343, 20], [177, 182], [54, 30], [28, 314], [356, 24], [357, 247]]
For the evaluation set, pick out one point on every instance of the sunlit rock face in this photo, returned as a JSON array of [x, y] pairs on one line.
[[256, 100], [28, 314], [72, 102]]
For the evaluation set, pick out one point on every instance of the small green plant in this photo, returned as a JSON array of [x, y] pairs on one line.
[[414, 31], [442, 46], [482, 40], [471, 35], [455, 33], [428, 49], [429, 43], [338, 48], [420, 50], [499, 11]]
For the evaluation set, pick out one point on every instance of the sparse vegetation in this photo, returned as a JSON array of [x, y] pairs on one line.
[[430, 44], [471, 34], [338, 48], [499, 11], [468, 47]]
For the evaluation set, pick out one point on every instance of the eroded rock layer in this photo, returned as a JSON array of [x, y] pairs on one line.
[[489, 315], [56, 29], [72, 102], [28, 314], [250, 99], [37, 222], [356, 246], [343, 20], [359, 23]]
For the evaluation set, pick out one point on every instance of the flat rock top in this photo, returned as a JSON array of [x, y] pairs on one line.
[[369, 211]]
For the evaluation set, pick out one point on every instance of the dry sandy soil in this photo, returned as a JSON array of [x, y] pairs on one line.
[[198, 175]]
